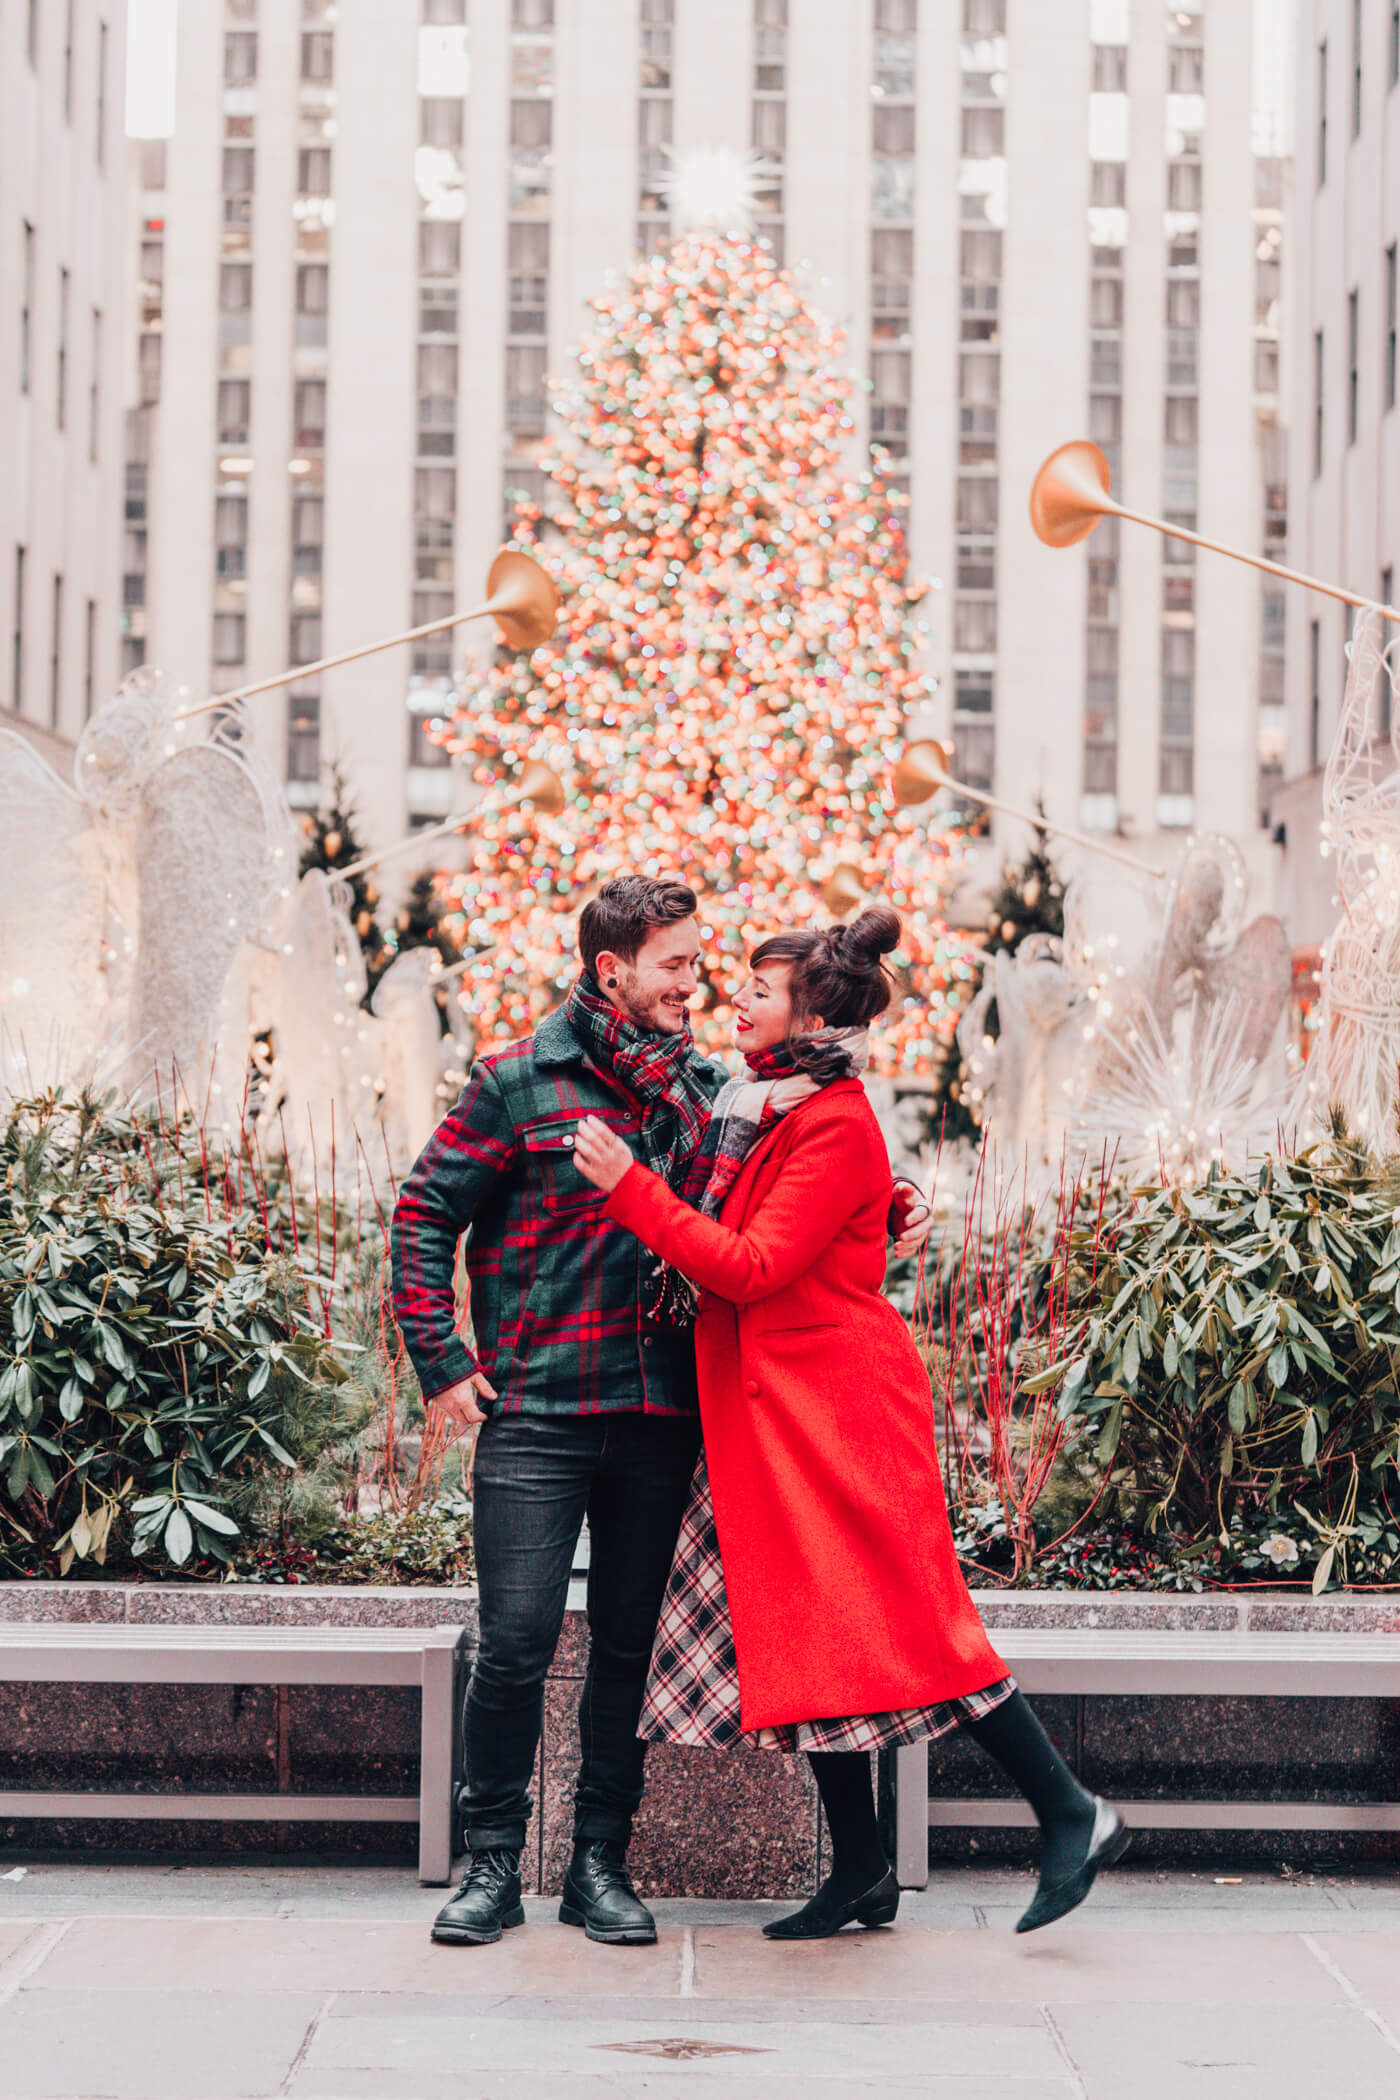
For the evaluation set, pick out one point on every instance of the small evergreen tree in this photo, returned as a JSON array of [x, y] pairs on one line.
[[333, 843]]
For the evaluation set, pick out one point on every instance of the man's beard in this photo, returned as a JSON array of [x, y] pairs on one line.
[[655, 1017]]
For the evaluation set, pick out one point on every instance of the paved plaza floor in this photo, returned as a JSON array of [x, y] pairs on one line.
[[221, 1983]]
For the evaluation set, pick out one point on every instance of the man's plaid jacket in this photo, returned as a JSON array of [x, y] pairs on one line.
[[556, 1287]]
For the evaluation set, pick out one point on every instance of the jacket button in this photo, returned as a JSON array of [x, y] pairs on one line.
[[568, 1144], [648, 1341], [751, 1385]]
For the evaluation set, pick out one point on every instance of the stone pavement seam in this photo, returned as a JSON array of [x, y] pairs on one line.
[[30, 1956], [1076, 2083], [687, 1977], [313, 2028], [1320, 1954]]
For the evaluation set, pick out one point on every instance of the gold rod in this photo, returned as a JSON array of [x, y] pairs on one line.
[[1062, 831], [331, 663], [416, 838], [1256, 561]]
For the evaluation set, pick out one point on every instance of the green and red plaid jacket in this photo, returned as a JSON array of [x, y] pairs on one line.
[[556, 1286]]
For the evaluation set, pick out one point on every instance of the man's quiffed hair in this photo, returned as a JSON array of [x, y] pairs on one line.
[[625, 911]]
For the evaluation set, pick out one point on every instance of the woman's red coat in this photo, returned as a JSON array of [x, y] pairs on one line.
[[844, 1590]]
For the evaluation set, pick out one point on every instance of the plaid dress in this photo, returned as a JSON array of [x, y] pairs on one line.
[[693, 1689]]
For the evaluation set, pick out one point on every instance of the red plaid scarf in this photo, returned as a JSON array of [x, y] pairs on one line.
[[658, 1072], [772, 1083]]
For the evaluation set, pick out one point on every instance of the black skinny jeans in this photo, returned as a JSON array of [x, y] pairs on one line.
[[536, 1477]]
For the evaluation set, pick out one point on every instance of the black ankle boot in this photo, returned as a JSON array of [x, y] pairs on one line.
[[599, 1896], [1062, 1889], [825, 1915], [487, 1903]]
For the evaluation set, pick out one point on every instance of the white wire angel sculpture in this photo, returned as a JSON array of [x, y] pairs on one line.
[[1355, 1064], [126, 897]]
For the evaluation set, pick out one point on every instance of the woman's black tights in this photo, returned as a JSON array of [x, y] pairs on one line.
[[858, 1859]]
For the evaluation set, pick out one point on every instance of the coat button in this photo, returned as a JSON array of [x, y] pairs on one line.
[[648, 1341], [568, 1144], [751, 1385]]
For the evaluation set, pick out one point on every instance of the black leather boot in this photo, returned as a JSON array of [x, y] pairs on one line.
[[824, 1916], [487, 1903], [599, 1896]]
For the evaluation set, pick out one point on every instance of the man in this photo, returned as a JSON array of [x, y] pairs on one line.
[[582, 1382]]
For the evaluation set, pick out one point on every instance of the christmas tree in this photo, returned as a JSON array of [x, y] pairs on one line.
[[1031, 899], [418, 923], [738, 650], [333, 843]]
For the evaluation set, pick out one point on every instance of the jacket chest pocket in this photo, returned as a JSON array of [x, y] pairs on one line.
[[549, 1147]]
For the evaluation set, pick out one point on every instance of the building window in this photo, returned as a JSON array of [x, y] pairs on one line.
[[313, 288], [1314, 692], [981, 17], [240, 57], [26, 311], [235, 403], [89, 655], [101, 126], [235, 288], [1384, 694], [56, 653], [1394, 42], [95, 387], [228, 638], [1356, 68], [441, 120], [658, 17], [68, 62], [318, 55], [31, 33], [310, 415], [1392, 304], [1318, 369], [305, 637], [61, 376], [1111, 69], [303, 736], [1353, 360], [1322, 113], [314, 171], [17, 636]]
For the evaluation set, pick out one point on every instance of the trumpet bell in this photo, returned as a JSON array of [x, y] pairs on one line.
[[521, 599], [843, 889], [541, 785], [1070, 494], [921, 770]]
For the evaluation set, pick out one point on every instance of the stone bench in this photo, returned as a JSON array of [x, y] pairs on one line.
[[422, 1656], [1162, 1663]]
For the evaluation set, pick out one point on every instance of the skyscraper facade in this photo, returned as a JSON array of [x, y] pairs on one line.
[[62, 341], [378, 231]]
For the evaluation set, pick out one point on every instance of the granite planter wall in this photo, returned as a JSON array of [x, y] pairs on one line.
[[738, 1824]]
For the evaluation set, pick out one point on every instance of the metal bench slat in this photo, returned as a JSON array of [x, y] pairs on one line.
[[234, 1808], [30, 1653]]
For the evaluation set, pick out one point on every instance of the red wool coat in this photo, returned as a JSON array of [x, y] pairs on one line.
[[844, 1590]]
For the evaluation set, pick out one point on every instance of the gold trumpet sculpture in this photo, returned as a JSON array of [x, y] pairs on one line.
[[922, 769], [520, 598], [1073, 491], [538, 783]]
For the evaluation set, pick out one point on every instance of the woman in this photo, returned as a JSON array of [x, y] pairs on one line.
[[815, 1574]]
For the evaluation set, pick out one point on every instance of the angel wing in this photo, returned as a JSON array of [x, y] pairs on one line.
[[323, 1080], [201, 872], [405, 1002], [56, 1012]]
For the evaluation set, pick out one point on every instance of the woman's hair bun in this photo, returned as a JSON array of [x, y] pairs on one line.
[[874, 933]]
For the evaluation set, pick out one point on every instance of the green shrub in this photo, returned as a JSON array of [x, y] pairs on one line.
[[158, 1348], [1236, 1358]]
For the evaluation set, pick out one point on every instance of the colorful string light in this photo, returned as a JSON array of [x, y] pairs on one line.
[[738, 648]]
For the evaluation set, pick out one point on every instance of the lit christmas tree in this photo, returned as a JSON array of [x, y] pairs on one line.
[[737, 653]]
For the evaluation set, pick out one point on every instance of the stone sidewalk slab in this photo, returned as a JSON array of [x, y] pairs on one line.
[[1225, 2052], [146, 2045], [855, 2012], [687, 2081], [670, 2043], [1074, 1964], [297, 1954], [14, 1936]]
